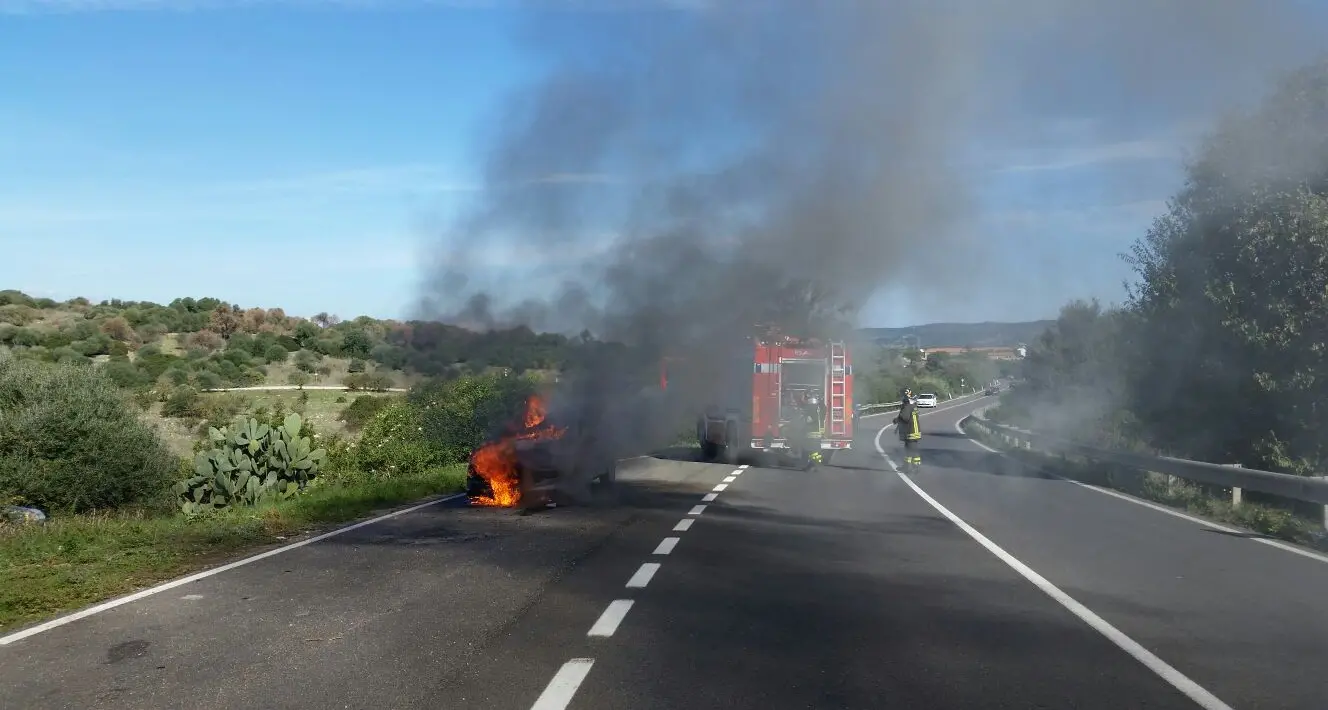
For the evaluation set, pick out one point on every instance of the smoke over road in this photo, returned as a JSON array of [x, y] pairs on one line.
[[674, 174]]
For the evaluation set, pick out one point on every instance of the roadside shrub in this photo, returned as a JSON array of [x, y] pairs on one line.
[[362, 410], [182, 402], [16, 314], [67, 356], [69, 441], [125, 374], [393, 445], [219, 409], [458, 415], [373, 382], [932, 384], [25, 337], [208, 380], [177, 376]]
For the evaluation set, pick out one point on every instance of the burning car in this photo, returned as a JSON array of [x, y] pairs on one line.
[[538, 462]]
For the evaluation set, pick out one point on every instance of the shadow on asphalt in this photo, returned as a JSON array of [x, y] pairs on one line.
[[979, 462], [1246, 535], [677, 453]]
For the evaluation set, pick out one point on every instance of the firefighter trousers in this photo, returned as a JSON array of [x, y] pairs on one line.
[[912, 452]]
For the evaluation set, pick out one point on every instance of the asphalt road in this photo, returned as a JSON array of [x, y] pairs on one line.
[[973, 584]]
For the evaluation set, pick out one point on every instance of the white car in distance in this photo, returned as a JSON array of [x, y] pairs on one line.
[[927, 399]]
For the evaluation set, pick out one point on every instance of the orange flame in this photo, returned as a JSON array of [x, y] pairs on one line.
[[496, 461]]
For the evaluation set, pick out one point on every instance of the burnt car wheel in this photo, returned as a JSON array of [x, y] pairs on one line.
[[477, 486], [610, 476]]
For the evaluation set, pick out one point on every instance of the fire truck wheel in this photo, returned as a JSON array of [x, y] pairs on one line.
[[709, 450], [732, 453]]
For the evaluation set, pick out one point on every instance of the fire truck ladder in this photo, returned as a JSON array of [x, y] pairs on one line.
[[838, 393]]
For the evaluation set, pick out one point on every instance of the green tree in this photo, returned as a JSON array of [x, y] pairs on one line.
[[275, 354], [1232, 295], [356, 343]]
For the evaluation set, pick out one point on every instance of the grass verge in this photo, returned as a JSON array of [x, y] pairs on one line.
[[1176, 493], [67, 563]]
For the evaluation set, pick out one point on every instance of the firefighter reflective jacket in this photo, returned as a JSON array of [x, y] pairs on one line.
[[907, 419]]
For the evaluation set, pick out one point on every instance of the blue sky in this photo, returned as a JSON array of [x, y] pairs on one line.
[[279, 156]]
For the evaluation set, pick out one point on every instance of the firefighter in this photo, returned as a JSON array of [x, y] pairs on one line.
[[910, 431], [817, 411], [801, 433]]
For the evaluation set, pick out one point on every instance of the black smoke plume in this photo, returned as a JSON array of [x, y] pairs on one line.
[[681, 172]]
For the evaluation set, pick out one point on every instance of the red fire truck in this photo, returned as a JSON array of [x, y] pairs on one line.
[[766, 385]]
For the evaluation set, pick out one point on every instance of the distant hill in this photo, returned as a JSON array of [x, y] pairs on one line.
[[960, 335]]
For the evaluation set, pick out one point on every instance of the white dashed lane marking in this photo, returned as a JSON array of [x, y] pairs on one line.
[[643, 575], [613, 616], [562, 688], [558, 693]]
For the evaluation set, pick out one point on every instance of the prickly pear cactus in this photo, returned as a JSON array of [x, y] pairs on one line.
[[250, 463]]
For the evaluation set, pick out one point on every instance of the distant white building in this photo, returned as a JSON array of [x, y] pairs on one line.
[[1021, 351]]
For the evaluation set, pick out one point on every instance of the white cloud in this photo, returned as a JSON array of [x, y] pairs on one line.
[[1086, 156], [378, 179], [1106, 220]]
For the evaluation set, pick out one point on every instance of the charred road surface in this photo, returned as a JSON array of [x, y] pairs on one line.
[[970, 584]]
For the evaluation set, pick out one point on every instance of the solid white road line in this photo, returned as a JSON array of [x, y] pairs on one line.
[[696, 510], [143, 593], [1163, 509], [643, 575], [1178, 680], [558, 693], [684, 525], [613, 616], [709, 497], [666, 545], [876, 441]]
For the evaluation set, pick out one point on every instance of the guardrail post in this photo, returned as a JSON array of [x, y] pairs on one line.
[[1235, 490], [1325, 507]]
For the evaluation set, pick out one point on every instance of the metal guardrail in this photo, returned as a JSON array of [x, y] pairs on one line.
[[1282, 485]]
